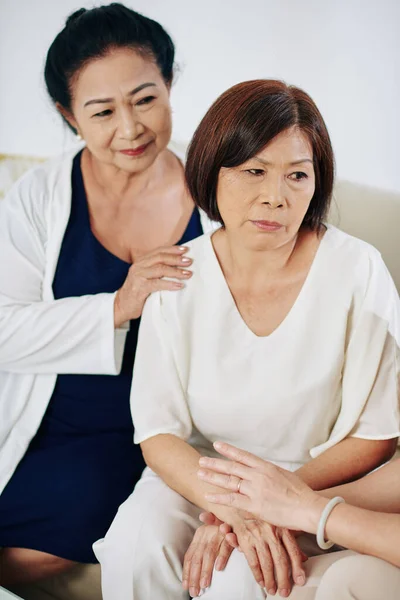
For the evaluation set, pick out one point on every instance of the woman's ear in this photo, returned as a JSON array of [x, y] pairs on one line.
[[67, 115]]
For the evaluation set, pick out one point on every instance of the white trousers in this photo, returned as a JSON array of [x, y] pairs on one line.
[[142, 554]]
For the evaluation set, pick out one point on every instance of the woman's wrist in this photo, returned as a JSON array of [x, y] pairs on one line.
[[312, 513], [118, 317]]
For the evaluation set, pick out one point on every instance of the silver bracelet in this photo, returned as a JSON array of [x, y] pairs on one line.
[[322, 523]]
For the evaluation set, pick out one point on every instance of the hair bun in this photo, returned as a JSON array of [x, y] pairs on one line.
[[74, 16]]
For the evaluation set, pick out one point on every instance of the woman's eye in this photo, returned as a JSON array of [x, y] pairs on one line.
[[298, 176], [256, 172], [146, 100], [103, 113]]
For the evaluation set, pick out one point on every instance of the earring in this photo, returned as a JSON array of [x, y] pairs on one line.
[[78, 137]]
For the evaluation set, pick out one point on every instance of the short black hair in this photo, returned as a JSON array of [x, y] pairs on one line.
[[240, 123], [91, 33]]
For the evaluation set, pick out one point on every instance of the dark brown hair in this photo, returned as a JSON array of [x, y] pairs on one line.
[[240, 123]]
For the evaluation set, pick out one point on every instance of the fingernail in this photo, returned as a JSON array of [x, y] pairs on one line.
[[202, 460], [284, 593], [185, 584], [218, 445], [178, 285], [193, 592], [185, 259], [271, 591], [186, 272], [203, 583], [219, 564], [300, 579]]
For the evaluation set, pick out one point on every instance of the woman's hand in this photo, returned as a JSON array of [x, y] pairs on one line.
[[208, 549], [272, 554], [146, 276], [261, 488]]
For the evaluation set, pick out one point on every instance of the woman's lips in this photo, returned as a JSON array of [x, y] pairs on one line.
[[135, 151], [267, 225]]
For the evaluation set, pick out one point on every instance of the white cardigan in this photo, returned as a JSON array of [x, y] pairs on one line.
[[41, 337]]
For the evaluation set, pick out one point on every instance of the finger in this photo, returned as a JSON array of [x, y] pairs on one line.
[[178, 250], [195, 570], [282, 568], [296, 557], [208, 561], [225, 528], [186, 566], [228, 482], [223, 556], [160, 285], [253, 562], [164, 258], [159, 271], [239, 501], [236, 454], [209, 518], [267, 567], [225, 466], [232, 540]]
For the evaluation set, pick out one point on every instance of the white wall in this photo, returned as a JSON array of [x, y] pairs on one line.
[[345, 53]]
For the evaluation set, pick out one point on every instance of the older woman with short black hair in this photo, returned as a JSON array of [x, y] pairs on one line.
[[283, 343], [84, 239]]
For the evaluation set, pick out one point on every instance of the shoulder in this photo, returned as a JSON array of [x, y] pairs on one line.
[[352, 255], [350, 246], [361, 268], [171, 305]]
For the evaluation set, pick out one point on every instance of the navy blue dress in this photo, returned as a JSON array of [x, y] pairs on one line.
[[82, 463]]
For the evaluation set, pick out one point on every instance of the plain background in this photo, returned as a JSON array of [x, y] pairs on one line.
[[344, 53]]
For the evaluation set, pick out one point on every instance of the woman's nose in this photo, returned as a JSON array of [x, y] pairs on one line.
[[272, 195], [129, 125]]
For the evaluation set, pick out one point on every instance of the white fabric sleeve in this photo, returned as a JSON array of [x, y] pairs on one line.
[[158, 399], [71, 335], [370, 380]]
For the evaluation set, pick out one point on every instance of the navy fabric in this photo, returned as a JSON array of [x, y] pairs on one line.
[[82, 463]]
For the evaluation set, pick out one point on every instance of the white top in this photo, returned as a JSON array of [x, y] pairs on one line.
[[39, 336], [331, 368]]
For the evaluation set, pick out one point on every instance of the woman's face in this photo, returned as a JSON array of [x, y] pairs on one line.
[[265, 199], [120, 106]]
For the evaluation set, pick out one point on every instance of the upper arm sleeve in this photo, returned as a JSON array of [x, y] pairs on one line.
[[158, 398], [370, 379], [71, 335]]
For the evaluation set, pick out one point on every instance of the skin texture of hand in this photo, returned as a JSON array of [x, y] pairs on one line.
[[145, 276], [272, 554], [208, 549], [268, 492]]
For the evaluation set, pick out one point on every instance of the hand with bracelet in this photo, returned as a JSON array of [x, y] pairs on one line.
[[280, 497]]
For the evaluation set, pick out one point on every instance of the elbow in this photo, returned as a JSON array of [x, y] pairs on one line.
[[155, 450], [388, 449], [148, 455], [382, 451]]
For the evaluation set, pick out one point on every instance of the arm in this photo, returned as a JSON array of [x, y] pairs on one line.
[[364, 531], [348, 460], [72, 335], [365, 433], [378, 491], [176, 462], [281, 497]]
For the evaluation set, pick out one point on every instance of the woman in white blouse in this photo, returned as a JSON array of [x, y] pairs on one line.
[[283, 343]]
